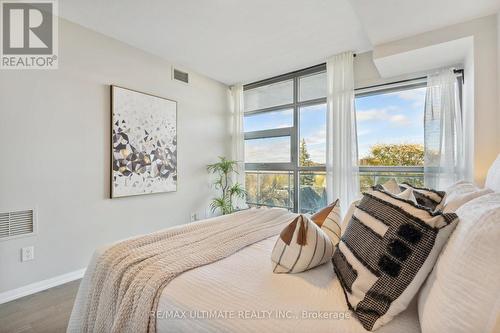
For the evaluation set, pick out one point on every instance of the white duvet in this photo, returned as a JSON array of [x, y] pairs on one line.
[[248, 297], [241, 294]]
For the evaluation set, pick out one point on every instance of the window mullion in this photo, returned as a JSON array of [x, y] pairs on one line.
[[293, 167], [272, 133], [269, 109], [312, 102], [295, 144]]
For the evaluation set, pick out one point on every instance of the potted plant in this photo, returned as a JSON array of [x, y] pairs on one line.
[[224, 170]]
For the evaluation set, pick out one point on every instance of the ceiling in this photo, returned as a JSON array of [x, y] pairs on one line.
[[453, 52], [389, 20], [243, 41]]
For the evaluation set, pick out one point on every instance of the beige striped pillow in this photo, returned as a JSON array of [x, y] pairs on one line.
[[301, 245], [328, 219]]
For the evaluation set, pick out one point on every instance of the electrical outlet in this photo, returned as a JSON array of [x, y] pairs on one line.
[[194, 217], [28, 253]]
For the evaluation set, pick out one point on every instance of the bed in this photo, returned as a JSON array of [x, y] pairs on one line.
[[238, 292], [245, 282]]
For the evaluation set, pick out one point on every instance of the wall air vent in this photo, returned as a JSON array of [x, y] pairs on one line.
[[179, 75], [17, 224]]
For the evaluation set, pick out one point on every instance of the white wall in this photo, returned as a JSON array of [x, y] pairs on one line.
[[480, 90], [55, 138], [498, 71]]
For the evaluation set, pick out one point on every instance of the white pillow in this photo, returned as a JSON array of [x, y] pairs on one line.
[[461, 292], [459, 200], [493, 177], [459, 187], [301, 245], [459, 194]]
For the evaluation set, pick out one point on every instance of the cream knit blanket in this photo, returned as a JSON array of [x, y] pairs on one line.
[[128, 278]]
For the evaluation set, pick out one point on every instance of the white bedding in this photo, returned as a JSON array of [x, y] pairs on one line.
[[245, 282], [251, 298]]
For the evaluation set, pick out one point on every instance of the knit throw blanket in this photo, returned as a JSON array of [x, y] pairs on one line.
[[129, 277]]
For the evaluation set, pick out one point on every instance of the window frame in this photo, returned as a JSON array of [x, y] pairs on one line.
[[293, 131], [389, 87]]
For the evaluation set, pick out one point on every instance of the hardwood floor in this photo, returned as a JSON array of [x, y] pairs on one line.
[[44, 312]]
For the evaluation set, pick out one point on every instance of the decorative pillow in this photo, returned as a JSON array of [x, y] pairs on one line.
[[392, 186], [386, 252], [328, 219], [407, 194], [425, 197], [462, 292], [301, 245]]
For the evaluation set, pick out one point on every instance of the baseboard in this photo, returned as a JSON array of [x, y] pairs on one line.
[[33, 288]]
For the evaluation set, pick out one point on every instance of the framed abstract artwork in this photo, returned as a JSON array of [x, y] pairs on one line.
[[143, 143]]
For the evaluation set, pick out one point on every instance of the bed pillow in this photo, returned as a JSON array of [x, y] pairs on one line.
[[328, 219], [300, 246], [387, 250], [461, 294], [459, 194], [459, 187], [460, 200], [425, 197], [493, 176]]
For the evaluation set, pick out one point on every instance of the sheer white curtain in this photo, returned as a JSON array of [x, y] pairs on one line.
[[342, 172], [238, 135], [444, 139]]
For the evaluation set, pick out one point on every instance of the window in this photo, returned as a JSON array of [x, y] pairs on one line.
[[285, 137], [270, 188], [312, 145], [285, 141], [271, 95], [390, 126], [268, 150]]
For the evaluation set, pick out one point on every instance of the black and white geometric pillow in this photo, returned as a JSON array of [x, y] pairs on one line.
[[425, 196], [387, 250]]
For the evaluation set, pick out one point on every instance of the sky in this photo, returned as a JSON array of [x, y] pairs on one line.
[[395, 117]]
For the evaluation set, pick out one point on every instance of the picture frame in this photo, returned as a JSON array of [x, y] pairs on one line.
[[143, 143]]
